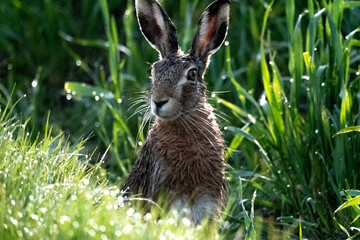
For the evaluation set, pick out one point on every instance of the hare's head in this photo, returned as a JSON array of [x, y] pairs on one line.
[[177, 79]]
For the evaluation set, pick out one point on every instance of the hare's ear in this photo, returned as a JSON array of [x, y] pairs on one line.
[[212, 29], [156, 27]]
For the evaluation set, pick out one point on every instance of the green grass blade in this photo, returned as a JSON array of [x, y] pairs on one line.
[[348, 130], [86, 90], [352, 202], [251, 138], [290, 9], [351, 4], [296, 65], [93, 43]]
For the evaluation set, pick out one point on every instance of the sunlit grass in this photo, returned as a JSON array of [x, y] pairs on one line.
[[49, 191]]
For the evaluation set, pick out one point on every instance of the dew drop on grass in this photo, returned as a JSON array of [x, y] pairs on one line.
[[120, 100], [68, 97], [170, 221], [13, 221], [13, 202], [97, 98], [226, 224], [102, 228], [117, 233], [78, 63], [92, 233], [226, 43], [137, 216], [147, 216], [291, 80], [130, 212], [76, 224], [316, 131], [34, 83], [186, 222], [251, 118], [323, 84], [97, 124], [20, 234], [127, 229]]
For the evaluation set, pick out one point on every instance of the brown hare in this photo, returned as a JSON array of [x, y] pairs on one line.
[[183, 155]]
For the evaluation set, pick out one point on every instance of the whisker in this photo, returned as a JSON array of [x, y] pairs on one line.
[[139, 110], [147, 117], [205, 111], [137, 103], [188, 129], [198, 128], [209, 124]]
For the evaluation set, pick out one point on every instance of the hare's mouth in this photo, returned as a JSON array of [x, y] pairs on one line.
[[165, 109]]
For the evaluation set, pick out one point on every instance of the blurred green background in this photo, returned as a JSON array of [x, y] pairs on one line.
[[284, 91]]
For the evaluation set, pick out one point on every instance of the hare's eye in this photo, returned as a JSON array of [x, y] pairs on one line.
[[191, 75]]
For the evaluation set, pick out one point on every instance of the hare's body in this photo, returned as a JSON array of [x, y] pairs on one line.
[[184, 158], [183, 155]]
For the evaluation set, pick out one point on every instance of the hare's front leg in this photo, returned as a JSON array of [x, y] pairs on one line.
[[202, 207]]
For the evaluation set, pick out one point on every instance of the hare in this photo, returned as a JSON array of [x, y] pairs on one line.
[[183, 155]]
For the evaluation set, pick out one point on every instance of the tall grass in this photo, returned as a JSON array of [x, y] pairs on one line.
[[293, 141], [50, 191]]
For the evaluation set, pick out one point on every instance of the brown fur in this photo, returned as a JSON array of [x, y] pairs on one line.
[[190, 158]]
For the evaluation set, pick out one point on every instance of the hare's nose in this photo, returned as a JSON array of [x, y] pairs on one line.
[[160, 103]]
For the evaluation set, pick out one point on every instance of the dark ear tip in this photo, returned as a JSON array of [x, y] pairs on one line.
[[222, 1], [216, 5]]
